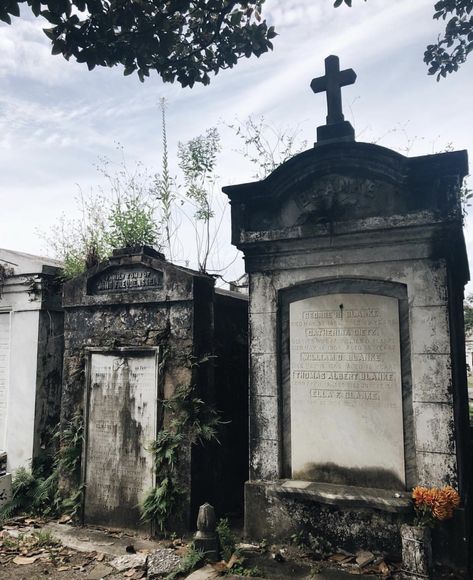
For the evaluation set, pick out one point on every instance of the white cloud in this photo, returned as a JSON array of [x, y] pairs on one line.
[[56, 118]]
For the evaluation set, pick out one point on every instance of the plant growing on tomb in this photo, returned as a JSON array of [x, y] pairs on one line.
[[191, 560], [191, 421], [434, 504], [265, 145], [120, 214], [137, 206], [226, 539], [36, 491], [165, 188], [197, 161]]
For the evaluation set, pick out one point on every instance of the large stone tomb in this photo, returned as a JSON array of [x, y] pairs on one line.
[[4, 368], [31, 348], [120, 316], [356, 264], [121, 412], [345, 376]]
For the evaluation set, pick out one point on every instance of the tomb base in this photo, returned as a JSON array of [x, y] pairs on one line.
[[346, 517]]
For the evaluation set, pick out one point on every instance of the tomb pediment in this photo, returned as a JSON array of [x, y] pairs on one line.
[[341, 182]]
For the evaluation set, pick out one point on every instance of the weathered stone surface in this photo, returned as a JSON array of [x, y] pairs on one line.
[[122, 419], [437, 469], [434, 426], [31, 347], [5, 489], [432, 378], [263, 294], [264, 460], [430, 332], [136, 328], [278, 515], [345, 387], [129, 561], [369, 221], [416, 552], [263, 333], [266, 409], [162, 562], [263, 369]]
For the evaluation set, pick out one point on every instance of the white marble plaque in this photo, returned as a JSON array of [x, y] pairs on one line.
[[346, 393], [4, 370], [122, 419]]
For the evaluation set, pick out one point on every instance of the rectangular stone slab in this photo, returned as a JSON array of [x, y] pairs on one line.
[[4, 370], [121, 422], [346, 393]]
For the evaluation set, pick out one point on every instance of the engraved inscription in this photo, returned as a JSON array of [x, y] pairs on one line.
[[126, 279], [121, 424], [345, 377], [336, 184]]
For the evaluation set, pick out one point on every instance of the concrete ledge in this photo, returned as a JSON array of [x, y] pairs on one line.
[[350, 518], [344, 495]]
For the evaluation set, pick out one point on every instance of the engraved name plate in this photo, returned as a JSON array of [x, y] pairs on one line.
[[126, 279], [346, 393], [121, 424]]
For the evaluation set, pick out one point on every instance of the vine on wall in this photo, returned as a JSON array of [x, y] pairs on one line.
[[192, 421]]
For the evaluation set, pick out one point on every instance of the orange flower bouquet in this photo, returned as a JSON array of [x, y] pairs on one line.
[[434, 504]]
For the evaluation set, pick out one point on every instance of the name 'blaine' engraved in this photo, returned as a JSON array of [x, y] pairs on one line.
[[343, 375]]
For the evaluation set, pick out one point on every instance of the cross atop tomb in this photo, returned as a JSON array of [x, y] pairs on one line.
[[331, 83]]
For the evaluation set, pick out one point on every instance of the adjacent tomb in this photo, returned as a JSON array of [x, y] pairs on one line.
[[356, 263], [137, 330], [31, 346]]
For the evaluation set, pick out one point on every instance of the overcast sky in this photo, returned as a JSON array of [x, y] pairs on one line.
[[57, 118]]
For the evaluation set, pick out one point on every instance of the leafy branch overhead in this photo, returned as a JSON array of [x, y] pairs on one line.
[[451, 50], [183, 40]]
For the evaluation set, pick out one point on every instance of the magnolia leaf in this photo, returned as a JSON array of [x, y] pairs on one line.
[[24, 560]]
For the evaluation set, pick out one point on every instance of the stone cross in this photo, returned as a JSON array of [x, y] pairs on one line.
[[331, 83]]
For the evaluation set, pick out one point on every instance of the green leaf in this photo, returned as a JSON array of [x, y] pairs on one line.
[[5, 17], [58, 46], [13, 8]]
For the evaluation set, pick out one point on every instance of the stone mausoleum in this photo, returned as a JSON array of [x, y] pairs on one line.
[[357, 264], [31, 347], [136, 329]]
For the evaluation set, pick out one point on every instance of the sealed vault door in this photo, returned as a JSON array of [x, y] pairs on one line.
[[346, 390], [121, 421]]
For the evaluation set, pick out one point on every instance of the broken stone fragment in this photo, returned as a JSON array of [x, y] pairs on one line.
[[161, 562], [364, 558], [128, 561]]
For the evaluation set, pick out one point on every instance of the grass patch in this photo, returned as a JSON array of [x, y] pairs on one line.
[[192, 559]]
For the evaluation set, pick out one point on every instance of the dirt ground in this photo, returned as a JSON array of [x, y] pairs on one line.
[[33, 550], [36, 550], [29, 550]]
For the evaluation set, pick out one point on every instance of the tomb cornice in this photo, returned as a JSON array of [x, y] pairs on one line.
[[357, 159], [432, 242], [344, 496], [345, 188]]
